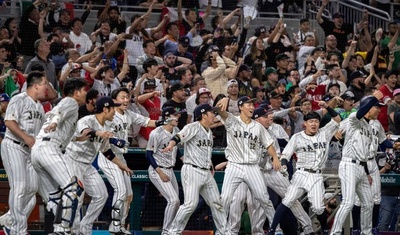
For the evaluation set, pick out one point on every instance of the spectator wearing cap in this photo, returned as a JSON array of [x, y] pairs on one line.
[[256, 53], [282, 62], [177, 100], [150, 51], [394, 107], [356, 84], [387, 90], [333, 89], [275, 100], [280, 44], [305, 50], [150, 99], [304, 31], [272, 78], [385, 43], [244, 81], [333, 75], [153, 73], [182, 50], [217, 74], [90, 103], [337, 27], [42, 50], [233, 95], [203, 96], [72, 70], [347, 106]]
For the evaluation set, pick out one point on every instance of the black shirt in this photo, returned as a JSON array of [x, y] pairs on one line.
[[179, 106]]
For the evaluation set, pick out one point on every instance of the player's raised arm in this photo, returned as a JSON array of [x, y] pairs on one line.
[[376, 96], [222, 107]]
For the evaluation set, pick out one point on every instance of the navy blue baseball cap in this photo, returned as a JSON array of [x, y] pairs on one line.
[[4, 97], [245, 99], [261, 111], [105, 102], [203, 108], [367, 99], [169, 110]]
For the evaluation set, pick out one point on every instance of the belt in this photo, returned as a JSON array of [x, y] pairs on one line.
[[164, 167], [371, 158], [310, 170], [354, 161], [19, 143], [49, 139], [201, 168]]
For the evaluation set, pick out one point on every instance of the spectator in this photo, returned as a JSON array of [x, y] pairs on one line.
[[387, 91], [198, 83], [171, 44], [282, 61], [233, 91], [244, 81], [272, 78], [14, 44], [29, 32], [337, 27], [42, 50], [178, 97], [185, 78], [331, 47], [292, 80], [330, 207], [304, 31], [81, 40], [191, 18], [347, 105], [182, 50], [103, 33], [149, 49], [305, 50], [259, 94], [112, 14], [390, 41], [256, 53], [202, 96], [333, 74], [152, 72], [333, 89], [150, 99], [88, 108], [392, 109], [357, 85]]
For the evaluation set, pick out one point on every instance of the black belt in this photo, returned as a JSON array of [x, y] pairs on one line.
[[201, 168], [19, 143], [163, 167], [49, 139], [310, 170], [359, 162]]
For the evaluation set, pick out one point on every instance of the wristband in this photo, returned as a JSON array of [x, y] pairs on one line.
[[176, 139], [109, 154], [92, 134], [331, 112]]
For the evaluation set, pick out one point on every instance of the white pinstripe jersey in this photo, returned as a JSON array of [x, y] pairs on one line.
[[66, 111], [158, 140], [105, 90], [358, 138], [265, 160], [121, 126], [244, 141], [311, 151], [378, 136], [29, 115], [86, 151], [198, 145]]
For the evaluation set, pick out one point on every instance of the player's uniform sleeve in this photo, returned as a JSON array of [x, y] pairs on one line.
[[353, 121], [290, 148], [229, 122], [14, 109], [330, 129], [83, 123], [188, 132], [138, 119]]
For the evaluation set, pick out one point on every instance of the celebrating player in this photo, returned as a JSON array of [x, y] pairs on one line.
[[23, 119], [245, 138], [311, 147], [161, 172], [82, 153], [121, 183], [353, 169], [47, 155], [196, 171]]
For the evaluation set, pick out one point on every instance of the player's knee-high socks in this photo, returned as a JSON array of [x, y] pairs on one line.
[[355, 213], [279, 212], [375, 215]]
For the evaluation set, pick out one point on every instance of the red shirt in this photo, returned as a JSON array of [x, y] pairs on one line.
[[383, 116], [154, 109], [316, 95]]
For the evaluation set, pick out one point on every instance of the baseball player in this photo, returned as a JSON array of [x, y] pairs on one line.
[[311, 147], [23, 119], [379, 138], [161, 172], [47, 155], [245, 138], [121, 183], [197, 169], [82, 153], [353, 170]]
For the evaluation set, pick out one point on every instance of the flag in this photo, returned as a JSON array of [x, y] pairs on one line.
[[280, 10], [9, 87]]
